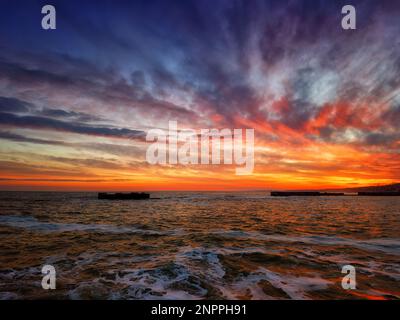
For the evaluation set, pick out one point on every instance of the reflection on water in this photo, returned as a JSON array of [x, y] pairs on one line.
[[199, 246]]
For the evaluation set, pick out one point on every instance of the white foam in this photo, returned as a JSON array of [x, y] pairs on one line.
[[294, 287]]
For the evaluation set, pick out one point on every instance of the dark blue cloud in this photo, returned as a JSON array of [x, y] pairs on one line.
[[14, 105], [36, 122]]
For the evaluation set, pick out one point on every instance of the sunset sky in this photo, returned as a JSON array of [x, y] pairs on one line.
[[76, 102]]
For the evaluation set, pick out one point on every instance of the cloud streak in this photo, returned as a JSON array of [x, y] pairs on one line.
[[43, 123]]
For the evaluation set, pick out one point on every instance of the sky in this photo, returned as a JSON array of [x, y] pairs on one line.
[[76, 102]]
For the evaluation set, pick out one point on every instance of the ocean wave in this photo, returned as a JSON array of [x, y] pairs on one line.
[[387, 245], [33, 224]]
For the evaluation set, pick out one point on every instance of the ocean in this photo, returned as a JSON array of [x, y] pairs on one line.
[[198, 245]]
